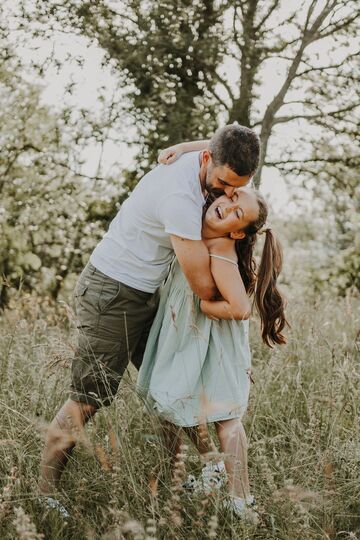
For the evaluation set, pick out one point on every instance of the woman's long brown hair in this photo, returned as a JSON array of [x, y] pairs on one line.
[[261, 281]]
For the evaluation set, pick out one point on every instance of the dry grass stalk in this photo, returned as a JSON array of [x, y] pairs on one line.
[[266, 472], [6, 496], [133, 529], [308, 430], [25, 528], [103, 458], [298, 494], [213, 526], [173, 508], [151, 529]]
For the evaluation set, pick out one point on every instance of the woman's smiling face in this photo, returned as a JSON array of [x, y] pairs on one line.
[[230, 215]]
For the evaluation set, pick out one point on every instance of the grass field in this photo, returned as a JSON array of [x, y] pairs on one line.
[[302, 424]]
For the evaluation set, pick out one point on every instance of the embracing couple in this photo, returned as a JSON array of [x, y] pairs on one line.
[[190, 338]]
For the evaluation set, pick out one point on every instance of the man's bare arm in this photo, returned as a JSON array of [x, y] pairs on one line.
[[193, 257]]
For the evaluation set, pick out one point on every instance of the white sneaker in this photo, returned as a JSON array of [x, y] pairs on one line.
[[190, 483], [212, 478], [244, 509], [54, 504]]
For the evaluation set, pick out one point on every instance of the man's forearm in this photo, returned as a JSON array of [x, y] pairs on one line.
[[193, 257], [221, 309], [202, 282], [207, 293]]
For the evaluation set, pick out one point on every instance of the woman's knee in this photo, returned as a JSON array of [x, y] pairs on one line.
[[230, 429]]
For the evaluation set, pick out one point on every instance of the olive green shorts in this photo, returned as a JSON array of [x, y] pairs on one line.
[[114, 322]]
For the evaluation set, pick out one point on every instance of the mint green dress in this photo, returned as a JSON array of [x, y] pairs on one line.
[[194, 369]]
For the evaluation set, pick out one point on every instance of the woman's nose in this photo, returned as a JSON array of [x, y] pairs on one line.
[[231, 208]]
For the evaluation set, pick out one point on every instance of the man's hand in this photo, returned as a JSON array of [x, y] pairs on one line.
[[193, 257]]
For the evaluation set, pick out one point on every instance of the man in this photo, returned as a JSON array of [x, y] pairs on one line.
[[116, 296]]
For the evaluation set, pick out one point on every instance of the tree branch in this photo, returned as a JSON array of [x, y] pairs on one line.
[[276, 103], [267, 15], [324, 68], [284, 119], [235, 32], [336, 27], [218, 98], [346, 160], [225, 85]]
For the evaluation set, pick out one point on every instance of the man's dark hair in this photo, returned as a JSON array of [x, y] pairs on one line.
[[236, 146]]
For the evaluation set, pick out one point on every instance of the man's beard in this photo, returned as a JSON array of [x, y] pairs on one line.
[[213, 193]]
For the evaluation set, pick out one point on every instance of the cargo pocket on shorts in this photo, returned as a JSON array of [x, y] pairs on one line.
[[80, 290], [97, 369], [109, 292], [84, 314]]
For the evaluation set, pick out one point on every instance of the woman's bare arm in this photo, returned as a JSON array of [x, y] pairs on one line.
[[235, 303], [171, 154]]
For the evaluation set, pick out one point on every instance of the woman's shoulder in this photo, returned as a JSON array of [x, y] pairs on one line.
[[224, 246]]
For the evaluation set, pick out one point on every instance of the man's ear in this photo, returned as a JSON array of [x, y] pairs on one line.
[[238, 235], [206, 156]]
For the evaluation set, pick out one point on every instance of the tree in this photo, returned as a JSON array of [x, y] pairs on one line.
[[170, 57], [330, 171], [51, 215]]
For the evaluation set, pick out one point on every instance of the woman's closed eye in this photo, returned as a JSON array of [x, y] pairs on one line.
[[239, 213]]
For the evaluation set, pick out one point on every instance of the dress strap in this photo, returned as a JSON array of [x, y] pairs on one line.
[[223, 258]]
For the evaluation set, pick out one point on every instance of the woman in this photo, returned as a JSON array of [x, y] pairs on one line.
[[196, 367]]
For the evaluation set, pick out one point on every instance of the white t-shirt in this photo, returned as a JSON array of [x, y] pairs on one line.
[[137, 249]]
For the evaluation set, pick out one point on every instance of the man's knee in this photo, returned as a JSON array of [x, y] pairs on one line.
[[87, 409], [59, 438], [72, 415]]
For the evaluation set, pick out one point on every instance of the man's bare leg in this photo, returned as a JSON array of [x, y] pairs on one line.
[[233, 443], [61, 437], [172, 439], [201, 439]]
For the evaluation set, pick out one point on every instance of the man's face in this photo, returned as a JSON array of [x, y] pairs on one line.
[[220, 179]]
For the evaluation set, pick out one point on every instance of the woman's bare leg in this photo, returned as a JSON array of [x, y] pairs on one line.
[[61, 437], [233, 443]]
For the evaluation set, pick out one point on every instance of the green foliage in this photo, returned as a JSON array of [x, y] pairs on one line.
[[50, 216], [164, 54], [328, 232]]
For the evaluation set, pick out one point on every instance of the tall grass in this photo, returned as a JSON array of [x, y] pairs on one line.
[[302, 423]]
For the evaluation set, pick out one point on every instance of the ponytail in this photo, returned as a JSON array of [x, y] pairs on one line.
[[268, 299], [262, 281]]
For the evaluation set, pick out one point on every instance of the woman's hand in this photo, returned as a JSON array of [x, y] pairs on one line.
[[171, 154]]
